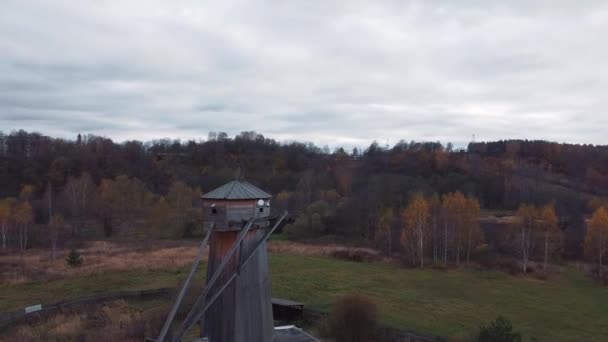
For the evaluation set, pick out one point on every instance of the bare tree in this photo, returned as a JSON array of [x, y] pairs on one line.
[[6, 213], [56, 225], [526, 219], [23, 217], [385, 227], [471, 219], [549, 224], [78, 193]]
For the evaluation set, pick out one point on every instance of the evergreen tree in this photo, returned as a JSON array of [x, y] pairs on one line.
[[74, 259]]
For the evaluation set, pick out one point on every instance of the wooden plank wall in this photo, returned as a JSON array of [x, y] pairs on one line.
[[243, 313], [219, 218], [218, 322], [240, 210], [231, 214], [254, 321]]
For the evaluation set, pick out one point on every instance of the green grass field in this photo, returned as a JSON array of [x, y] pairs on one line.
[[448, 303]]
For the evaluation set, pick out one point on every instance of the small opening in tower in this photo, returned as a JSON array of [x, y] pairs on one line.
[[262, 209], [213, 209]]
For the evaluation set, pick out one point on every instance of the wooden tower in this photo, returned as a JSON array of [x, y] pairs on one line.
[[243, 310]]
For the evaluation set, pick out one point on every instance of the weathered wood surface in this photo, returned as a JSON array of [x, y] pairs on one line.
[[219, 318], [243, 312], [254, 321], [182, 292], [284, 310], [286, 302], [230, 214], [207, 299], [200, 307]]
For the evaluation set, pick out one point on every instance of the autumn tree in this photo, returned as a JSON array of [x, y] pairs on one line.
[[596, 240], [6, 212], [471, 222], [310, 222], [446, 223], [23, 216], [181, 198], [78, 194], [384, 228], [158, 220], [416, 216], [104, 205], [435, 222], [452, 213], [26, 192], [526, 221], [458, 208], [121, 199], [549, 228], [56, 225]]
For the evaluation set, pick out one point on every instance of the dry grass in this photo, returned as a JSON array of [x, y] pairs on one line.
[[113, 321], [99, 256], [315, 250], [103, 256]]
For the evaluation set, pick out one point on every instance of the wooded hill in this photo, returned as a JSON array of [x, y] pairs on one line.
[[354, 188]]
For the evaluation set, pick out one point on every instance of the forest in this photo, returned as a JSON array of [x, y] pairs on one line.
[[423, 201]]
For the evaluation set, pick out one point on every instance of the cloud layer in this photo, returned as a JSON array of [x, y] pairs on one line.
[[336, 73]]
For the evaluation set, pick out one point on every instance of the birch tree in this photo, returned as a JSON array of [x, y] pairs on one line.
[[596, 239], [435, 218], [23, 217], [526, 217], [458, 208], [471, 219], [385, 227], [6, 212], [416, 216], [446, 220], [56, 225], [78, 193], [550, 229]]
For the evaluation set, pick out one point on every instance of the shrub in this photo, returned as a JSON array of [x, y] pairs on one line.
[[353, 318], [496, 261], [355, 255], [74, 259], [481, 252], [108, 228], [439, 266], [499, 330]]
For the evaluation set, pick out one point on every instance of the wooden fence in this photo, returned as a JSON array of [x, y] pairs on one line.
[[17, 316], [10, 318]]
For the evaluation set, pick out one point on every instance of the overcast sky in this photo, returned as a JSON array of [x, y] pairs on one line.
[[330, 72]]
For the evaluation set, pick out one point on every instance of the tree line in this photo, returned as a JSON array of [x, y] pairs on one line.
[[446, 230], [120, 206], [351, 195]]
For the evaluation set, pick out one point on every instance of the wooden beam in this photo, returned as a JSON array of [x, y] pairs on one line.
[[211, 282], [182, 293], [187, 324]]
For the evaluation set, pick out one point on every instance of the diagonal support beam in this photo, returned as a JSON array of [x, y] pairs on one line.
[[182, 293], [212, 281], [187, 325]]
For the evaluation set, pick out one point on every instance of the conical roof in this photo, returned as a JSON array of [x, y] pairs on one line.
[[236, 190]]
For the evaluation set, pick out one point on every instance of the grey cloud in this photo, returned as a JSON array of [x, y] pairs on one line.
[[329, 72]]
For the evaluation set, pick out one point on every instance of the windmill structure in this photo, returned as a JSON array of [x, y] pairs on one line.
[[235, 304]]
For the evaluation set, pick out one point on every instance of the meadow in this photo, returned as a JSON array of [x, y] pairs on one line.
[[453, 303]]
